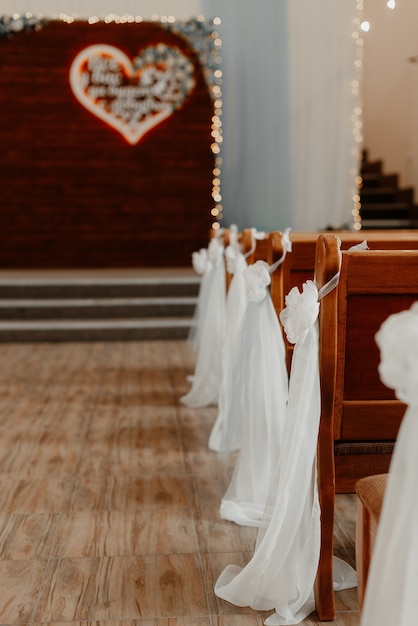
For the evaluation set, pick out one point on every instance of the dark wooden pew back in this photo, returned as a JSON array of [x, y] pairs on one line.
[[360, 417]]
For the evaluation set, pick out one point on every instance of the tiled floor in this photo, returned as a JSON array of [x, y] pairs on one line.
[[109, 495]]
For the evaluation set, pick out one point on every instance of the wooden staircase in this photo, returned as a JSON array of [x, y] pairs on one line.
[[96, 306], [383, 204]]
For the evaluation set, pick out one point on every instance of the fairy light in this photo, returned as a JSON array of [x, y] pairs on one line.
[[356, 117], [210, 57], [216, 126]]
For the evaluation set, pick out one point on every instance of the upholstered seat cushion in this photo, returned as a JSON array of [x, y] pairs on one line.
[[370, 491]]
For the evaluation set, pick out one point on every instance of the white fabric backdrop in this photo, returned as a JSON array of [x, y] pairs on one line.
[[323, 53], [288, 134]]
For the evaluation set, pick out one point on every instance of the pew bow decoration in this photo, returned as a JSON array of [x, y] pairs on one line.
[[397, 340], [200, 260], [301, 311], [302, 308], [257, 279], [258, 275]]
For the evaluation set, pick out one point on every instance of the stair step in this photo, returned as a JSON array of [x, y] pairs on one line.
[[99, 308], [96, 305], [385, 212], [94, 330], [386, 224], [26, 287]]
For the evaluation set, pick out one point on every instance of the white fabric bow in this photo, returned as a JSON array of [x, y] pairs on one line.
[[258, 275], [301, 311], [200, 260], [398, 343]]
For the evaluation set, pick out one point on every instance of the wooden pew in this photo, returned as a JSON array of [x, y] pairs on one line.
[[360, 417], [300, 264]]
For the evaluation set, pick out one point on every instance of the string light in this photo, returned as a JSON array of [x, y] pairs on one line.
[[356, 116], [216, 127], [202, 37]]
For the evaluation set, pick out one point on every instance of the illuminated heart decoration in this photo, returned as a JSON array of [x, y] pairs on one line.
[[132, 97]]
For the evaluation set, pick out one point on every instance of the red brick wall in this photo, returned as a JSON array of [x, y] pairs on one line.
[[73, 192]]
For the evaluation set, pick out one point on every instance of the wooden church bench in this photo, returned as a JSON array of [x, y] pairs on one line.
[[360, 417], [300, 263]]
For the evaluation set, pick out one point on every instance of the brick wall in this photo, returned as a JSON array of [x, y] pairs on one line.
[[73, 192]]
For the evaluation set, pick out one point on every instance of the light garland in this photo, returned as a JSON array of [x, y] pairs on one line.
[[362, 25], [356, 117], [208, 48], [202, 37]]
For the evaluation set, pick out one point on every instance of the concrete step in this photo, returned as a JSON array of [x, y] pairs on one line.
[[91, 287], [94, 330], [96, 306]]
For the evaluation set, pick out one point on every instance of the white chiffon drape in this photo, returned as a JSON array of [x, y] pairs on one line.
[[282, 571], [392, 584], [256, 400], [258, 397], [206, 380], [203, 267], [236, 302]]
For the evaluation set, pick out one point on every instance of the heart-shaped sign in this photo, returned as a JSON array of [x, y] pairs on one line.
[[132, 96]]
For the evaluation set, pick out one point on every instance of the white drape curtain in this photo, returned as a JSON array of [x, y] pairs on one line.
[[323, 96], [290, 153], [288, 104], [255, 177]]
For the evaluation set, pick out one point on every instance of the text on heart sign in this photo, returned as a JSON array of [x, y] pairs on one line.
[[132, 96]]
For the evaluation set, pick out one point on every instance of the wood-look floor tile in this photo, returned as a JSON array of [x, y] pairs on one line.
[[238, 620], [26, 536], [133, 442], [345, 527], [38, 454], [118, 533], [46, 495], [346, 600], [20, 582], [122, 588], [207, 463], [213, 566], [181, 362], [223, 536], [195, 427], [131, 493], [26, 416], [208, 492], [349, 618], [158, 621]]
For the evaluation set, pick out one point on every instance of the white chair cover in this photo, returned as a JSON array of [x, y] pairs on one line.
[[392, 584], [236, 301], [206, 380], [256, 400], [282, 571]]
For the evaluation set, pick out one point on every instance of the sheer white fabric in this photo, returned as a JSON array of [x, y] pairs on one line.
[[236, 302], [203, 267], [282, 571], [222, 438], [256, 402], [206, 380], [392, 583]]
